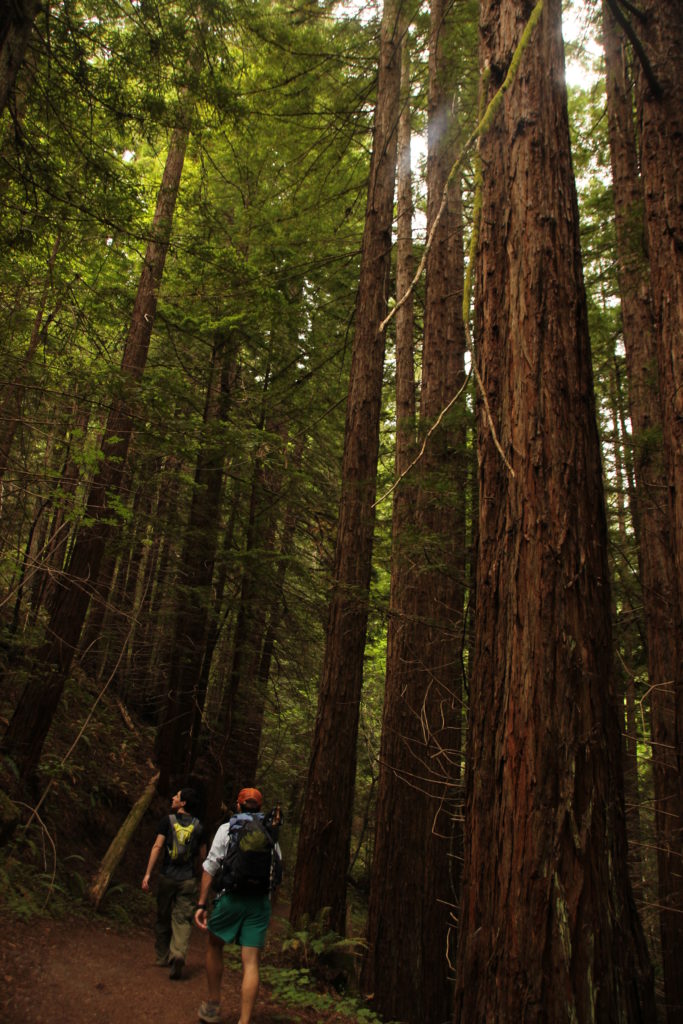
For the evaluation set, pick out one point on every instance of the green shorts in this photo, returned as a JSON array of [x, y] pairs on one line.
[[241, 919]]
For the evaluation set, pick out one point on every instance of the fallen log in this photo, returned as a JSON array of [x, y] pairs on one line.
[[118, 845]]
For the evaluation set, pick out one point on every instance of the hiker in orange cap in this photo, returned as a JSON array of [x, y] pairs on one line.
[[244, 868], [250, 798]]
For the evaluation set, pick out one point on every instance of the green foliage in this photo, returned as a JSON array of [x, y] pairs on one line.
[[314, 939], [124, 905], [31, 885], [296, 987], [62, 890]]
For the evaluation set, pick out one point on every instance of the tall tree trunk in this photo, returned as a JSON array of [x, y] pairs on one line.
[[407, 971], [144, 694], [139, 582], [175, 745], [387, 974], [57, 540], [29, 725], [658, 92], [25, 572], [324, 838], [13, 392], [661, 140], [113, 614], [110, 630], [250, 624], [97, 638], [652, 512], [441, 507], [249, 704], [405, 325], [16, 25], [243, 699], [626, 618], [548, 930], [215, 622]]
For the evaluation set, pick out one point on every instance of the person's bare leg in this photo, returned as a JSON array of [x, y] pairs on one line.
[[214, 967], [250, 982]]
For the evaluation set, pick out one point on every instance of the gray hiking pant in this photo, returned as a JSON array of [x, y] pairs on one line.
[[176, 903]]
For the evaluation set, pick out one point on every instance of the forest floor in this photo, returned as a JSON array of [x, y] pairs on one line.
[[88, 972]]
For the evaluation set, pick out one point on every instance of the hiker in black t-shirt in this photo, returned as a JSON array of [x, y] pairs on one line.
[[179, 839]]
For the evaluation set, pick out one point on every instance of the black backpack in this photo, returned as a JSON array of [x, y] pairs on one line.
[[251, 863]]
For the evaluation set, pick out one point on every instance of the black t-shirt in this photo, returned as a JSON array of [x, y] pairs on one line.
[[179, 869]]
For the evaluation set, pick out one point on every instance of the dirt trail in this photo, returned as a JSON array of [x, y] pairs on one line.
[[55, 972]]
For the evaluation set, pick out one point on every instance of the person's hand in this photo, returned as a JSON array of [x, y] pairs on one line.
[[201, 918], [145, 884]]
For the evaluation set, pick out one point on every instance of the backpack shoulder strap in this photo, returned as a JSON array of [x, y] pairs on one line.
[[170, 835]]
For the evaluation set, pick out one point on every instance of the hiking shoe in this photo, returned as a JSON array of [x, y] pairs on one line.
[[177, 968], [210, 1012], [163, 961]]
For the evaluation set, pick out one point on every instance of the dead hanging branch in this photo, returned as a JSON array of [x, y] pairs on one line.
[[615, 7], [483, 125], [429, 433], [467, 291]]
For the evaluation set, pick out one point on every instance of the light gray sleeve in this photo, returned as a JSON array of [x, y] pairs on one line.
[[218, 849]]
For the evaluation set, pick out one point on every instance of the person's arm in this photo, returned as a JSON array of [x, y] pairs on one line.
[[201, 915], [210, 868], [153, 858]]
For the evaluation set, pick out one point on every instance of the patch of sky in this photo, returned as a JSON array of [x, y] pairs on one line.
[[364, 10], [583, 47]]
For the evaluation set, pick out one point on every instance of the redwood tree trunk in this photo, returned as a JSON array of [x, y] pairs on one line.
[[239, 721], [12, 400], [250, 700], [30, 723], [661, 136], [661, 151], [548, 929], [146, 685], [324, 839], [97, 643], [185, 700], [385, 974], [653, 512], [16, 25], [57, 540], [412, 874]]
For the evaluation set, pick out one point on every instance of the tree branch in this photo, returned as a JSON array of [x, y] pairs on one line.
[[638, 48]]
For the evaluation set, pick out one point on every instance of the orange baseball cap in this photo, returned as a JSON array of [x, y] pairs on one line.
[[246, 795]]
